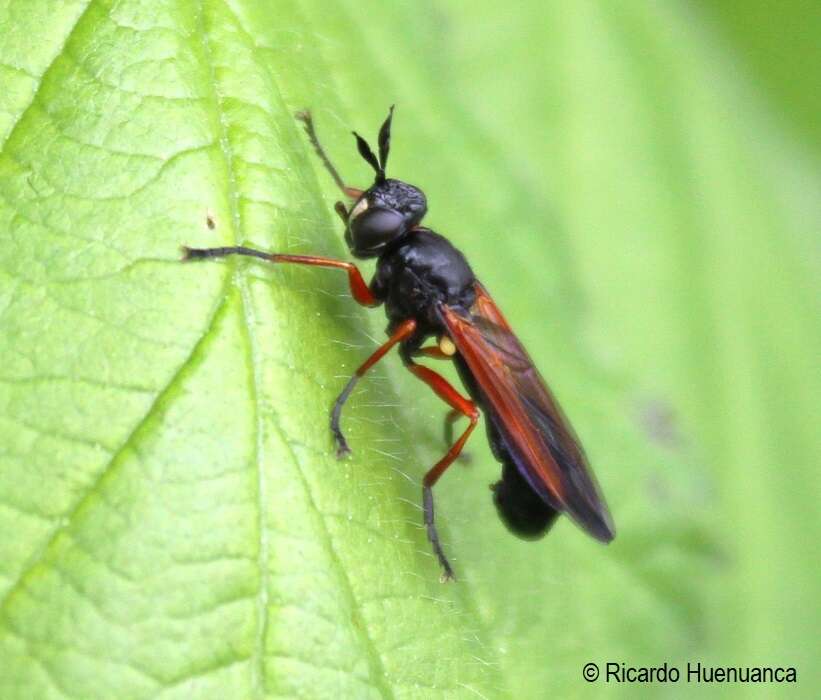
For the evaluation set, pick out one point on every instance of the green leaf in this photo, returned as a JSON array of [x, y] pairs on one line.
[[175, 522]]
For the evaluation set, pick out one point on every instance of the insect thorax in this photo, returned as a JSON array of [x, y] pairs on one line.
[[420, 273]]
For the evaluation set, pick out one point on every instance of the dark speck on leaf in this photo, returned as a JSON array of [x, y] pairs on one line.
[[658, 420]]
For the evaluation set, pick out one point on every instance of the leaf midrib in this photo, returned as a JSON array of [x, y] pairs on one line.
[[163, 396], [375, 665]]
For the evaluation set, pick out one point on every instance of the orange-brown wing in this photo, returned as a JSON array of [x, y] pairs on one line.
[[533, 427]]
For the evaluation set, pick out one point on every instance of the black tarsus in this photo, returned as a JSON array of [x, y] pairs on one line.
[[342, 448], [433, 535], [200, 253], [305, 117]]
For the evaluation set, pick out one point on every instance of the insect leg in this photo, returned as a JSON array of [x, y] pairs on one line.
[[359, 288], [465, 407], [305, 117], [452, 416], [404, 331], [341, 212], [435, 352]]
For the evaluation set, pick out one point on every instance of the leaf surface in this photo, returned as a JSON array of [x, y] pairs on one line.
[[176, 522]]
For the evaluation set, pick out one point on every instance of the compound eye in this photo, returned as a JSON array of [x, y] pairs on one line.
[[376, 227]]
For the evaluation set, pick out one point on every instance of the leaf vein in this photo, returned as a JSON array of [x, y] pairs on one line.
[[110, 466], [41, 80]]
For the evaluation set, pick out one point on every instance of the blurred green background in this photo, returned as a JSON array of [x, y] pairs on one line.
[[637, 183]]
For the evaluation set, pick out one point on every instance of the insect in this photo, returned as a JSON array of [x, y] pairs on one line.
[[430, 291]]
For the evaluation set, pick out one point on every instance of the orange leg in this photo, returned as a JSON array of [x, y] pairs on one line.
[[436, 352], [359, 288], [462, 406], [404, 331]]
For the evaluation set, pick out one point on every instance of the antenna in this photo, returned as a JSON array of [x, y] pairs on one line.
[[366, 152], [384, 148], [385, 140]]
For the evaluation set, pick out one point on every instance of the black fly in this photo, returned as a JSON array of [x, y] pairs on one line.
[[430, 291]]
